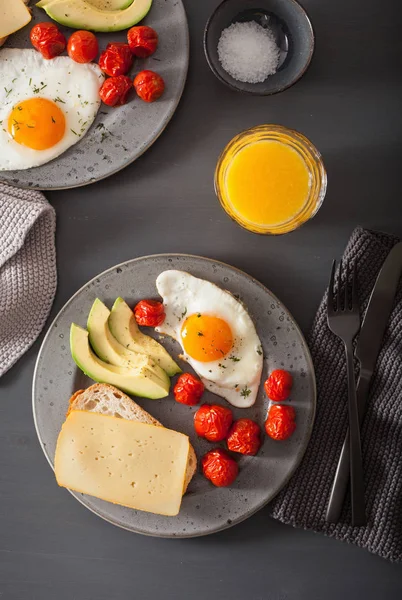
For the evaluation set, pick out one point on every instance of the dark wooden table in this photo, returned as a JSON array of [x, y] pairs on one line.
[[349, 104]]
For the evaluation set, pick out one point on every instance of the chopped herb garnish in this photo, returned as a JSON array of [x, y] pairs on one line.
[[57, 99], [100, 126], [30, 80], [200, 334], [53, 120], [8, 92], [30, 126], [19, 107], [104, 136], [15, 79], [74, 132], [245, 392], [234, 358], [259, 350], [183, 314], [221, 366], [198, 315]]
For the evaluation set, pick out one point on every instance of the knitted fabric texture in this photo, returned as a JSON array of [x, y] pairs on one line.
[[304, 501], [28, 276]]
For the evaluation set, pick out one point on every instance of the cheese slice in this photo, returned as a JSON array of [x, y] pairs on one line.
[[125, 462], [13, 16]]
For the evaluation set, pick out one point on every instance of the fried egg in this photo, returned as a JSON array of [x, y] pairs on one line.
[[217, 335], [46, 106]]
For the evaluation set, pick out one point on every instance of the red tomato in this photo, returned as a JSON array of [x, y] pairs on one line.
[[114, 91], [280, 423], [188, 389], [220, 468], [82, 46], [47, 39], [116, 59], [278, 385], [213, 422], [142, 40], [149, 313], [149, 85], [244, 437]]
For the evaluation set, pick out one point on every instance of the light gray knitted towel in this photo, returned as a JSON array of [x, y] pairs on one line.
[[28, 276], [304, 500]]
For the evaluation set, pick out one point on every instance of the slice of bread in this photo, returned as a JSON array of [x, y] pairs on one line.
[[108, 400]]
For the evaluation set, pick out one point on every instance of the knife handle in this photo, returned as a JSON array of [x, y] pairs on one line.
[[341, 479]]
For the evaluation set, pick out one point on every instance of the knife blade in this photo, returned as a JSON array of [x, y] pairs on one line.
[[368, 346]]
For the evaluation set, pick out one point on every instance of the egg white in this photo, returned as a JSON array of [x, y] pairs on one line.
[[236, 377], [26, 74]]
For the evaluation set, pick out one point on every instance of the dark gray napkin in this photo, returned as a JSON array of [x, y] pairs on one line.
[[304, 500]]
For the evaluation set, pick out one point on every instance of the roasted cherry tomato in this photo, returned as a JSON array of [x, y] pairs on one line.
[[213, 422], [47, 39], [278, 385], [142, 40], [149, 313], [220, 468], [281, 421], [188, 389], [116, 59], [244, 437], [82, 46], [149, 85], [114, 91]]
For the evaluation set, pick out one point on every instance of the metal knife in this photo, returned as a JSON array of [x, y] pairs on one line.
[[367, 349]]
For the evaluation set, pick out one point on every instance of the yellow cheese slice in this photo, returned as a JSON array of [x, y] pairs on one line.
[[125, 462], [13, 16]]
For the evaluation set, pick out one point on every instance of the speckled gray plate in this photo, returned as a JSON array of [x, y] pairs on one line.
[[128, 130], [205, 509]]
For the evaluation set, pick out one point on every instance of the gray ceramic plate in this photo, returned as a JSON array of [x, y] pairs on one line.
[[128, 130], [205, 508]]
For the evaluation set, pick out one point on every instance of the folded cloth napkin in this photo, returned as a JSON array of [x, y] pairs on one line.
[[28, 276], [303, 502]]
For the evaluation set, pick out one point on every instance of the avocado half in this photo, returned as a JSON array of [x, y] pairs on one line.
[[138, 381], [80, 14], [108, 349], [124, 328]]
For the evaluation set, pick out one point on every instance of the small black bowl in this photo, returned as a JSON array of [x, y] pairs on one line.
[[293, 32]]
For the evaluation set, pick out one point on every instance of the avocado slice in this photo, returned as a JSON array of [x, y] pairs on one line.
[[107, 348], [110, 4], [138, 381], [124, 328], [80, 14]]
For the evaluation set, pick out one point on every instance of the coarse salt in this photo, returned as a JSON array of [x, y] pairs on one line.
[[248, 52]]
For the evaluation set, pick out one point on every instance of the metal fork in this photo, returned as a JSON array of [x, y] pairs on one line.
[[344, 322]]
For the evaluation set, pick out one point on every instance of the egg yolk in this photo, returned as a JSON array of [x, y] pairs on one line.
[[37, 123], [206, 338]]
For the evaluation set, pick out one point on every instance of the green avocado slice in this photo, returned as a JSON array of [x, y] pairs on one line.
[[124, 328], [108, 349], [111, 4], [138, 381], [80, 14]]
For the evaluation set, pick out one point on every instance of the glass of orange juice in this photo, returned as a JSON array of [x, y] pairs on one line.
[[270, 179]]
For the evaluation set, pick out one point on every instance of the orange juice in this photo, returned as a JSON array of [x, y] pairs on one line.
[[270, 179]]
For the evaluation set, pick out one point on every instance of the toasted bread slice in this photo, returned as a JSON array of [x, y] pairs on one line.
[[108, 400]]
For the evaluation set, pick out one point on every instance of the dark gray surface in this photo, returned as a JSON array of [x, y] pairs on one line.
[[349, 104]]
